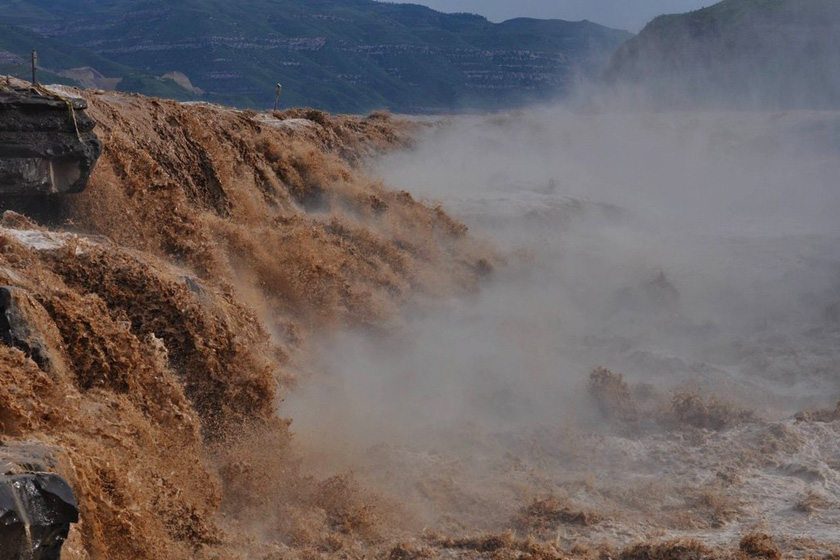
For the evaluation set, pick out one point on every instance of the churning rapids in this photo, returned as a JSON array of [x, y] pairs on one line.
[[543, 334], [694, 256]]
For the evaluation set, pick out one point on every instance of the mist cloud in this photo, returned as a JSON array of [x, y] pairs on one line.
[[655, 243]]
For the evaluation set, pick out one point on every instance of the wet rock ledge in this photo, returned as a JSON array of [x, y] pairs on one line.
[[47, 143], [36, 506]]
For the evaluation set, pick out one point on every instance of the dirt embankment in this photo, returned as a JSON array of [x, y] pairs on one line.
[[169, 302]]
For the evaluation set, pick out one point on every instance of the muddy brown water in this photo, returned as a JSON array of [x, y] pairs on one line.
[[265, 347]]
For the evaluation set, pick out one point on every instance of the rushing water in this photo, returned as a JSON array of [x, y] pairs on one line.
[[696, 253]]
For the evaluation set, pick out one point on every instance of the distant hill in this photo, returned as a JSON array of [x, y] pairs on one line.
[[341, 55], [89, 69], [738, 53]]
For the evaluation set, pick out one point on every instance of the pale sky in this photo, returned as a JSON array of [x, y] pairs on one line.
[[622, 14]]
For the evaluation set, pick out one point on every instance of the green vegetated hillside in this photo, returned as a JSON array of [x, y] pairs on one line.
[[341, 55], [749, 53], [56, 59]]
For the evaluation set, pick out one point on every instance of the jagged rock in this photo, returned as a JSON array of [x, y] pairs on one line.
[[656, 296], [36, 506], [661, 292], [26, 325], [47, 144], [195, 287], [832, 313]]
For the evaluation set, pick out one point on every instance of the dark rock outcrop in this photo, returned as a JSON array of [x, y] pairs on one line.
[[26, 325], [47, 144], [36, 505]]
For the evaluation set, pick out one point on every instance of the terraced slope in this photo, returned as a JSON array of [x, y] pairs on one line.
[[340, 55]]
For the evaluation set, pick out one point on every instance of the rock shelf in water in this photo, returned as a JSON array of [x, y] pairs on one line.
[[47, 143], [36, 506]]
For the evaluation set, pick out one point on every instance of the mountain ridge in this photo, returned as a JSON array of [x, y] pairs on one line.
[[736, 53], [67, 64], [346, 56]]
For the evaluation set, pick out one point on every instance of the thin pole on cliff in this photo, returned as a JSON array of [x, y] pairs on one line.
[[277, 91], [34, 67]]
